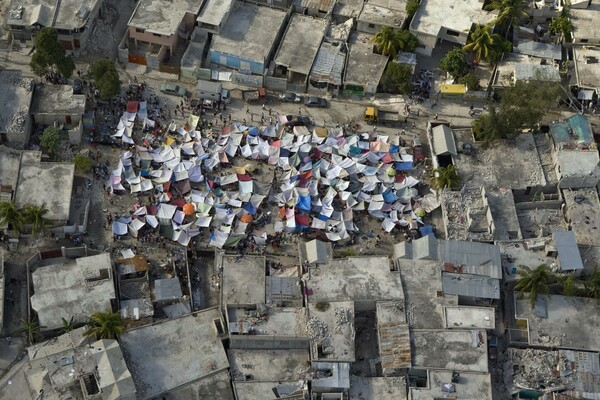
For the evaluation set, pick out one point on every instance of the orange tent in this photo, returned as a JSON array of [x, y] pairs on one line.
[[247, 218], [189, 209]]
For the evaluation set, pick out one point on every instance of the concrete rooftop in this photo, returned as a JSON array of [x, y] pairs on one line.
[[49, 183], [457, 15], [362, 388], [171, 354], [243, 279], [587, 73], [214, 11], [570, 322], [70, 12], [578, 163], [60, 14], [268, 364], [278, 321], [301, 42], [471, 386], [378, 15], [57, 100], [162, 16], [515, 254], [354, 279], [363, 65], [467, 317], [332, 330], [16, 95], [252, 390], [450, 349], [72, 289], [585, 21], [216, 386], [244, 34], [584, 215]]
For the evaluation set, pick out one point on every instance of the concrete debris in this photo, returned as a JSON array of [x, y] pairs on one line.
[[317, 329], [343, 317]]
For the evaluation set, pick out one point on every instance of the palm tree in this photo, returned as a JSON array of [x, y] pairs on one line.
[[11, 215], [31, 328], [592, 285], [35, 216], [105, 325], [508, 12], [444, 177], [68, 324], [389, 41], [484, 43], [534, 281]]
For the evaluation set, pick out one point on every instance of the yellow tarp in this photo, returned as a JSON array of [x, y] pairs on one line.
[[169, 140], [370, 112], [453, 89]]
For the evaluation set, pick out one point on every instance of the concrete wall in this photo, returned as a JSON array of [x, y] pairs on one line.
[[281, 4], [21, 137], [579, 182], [247, 80], [49, 119], [367, 27], [169, 41], [267, 342], [237, 62], [75, 134], [273, 83]]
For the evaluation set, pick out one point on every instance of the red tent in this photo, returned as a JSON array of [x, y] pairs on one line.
[[132, 106]]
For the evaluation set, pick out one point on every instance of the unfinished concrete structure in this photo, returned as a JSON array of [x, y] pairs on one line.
[[72, 289], [364, 67], [16, 95], [581, 214], [214, 14], [439, 385], [379, 13], [585, 25]]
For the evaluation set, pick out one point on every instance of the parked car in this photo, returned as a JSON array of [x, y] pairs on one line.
[[170, 88], [315, 102], [300, 120], [225, 98], [291, 98], [77, 86], [417, 150]]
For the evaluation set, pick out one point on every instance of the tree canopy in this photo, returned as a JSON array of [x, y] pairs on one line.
[[455, 62], [389, 41], [12, 216], [83, 163], [105, 75], [561, 25], [486, 45], [534, 281], [444, 178], [508, 11], [35, 215], [49, 55], [105, 325], [397, 79], [50, 139]]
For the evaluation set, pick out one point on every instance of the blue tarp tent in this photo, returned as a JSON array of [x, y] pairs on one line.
[[304, 203], [389, 197], [404, 165], [250, 208], [426, 230]]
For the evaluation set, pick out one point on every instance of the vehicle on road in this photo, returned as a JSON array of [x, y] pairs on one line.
[[300, 120], [373, 115], [316, 102], [225, 97], [258, 95], [417, 150], [290, 97], [171, 88]]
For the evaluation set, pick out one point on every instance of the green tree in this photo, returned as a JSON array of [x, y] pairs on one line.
[[508, 12], [35, 216], [105, 325], [411, 8], [49, 55], [397, 78], [31, 329], [592, 284], [105, 74], [50, 139], [444, 177], [486, 45], [491, 127], [68, 324], [83, 163], [389, 41], [12, 216], [470, 80], [562, 25], [454, 63], [570, 287], [534, 281]]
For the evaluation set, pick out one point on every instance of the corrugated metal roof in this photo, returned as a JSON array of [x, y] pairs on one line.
[[424, 247], [167, 289], [472, 257], [525, 72], [317, 251], [329, 64], [569, 258], [470, 285], [548, 51], [443, 141]]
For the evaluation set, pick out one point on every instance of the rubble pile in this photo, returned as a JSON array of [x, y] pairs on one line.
[[539, 370], [317, 329]]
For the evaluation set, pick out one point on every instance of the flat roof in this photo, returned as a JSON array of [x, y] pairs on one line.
[[392, 335], [468, 285], [268, 364], [16, 94], [243, 279], [60, 14], [213, 11], [244, 34], [355, 279], [586, 66], [162, 16], [450, 349], [276, 321], [466, 317], [565, 322], [578, 162], [171, 354], [215, 386], [422, 281], [585, 21], [362, 387], [332, 328], [301, 42], [315, 251], [57, 99], [252, 390], [363, 66], [376, 14], [517, 253], [522, 67], [49, 183], [582, 207], [468, 257], [456, 15], [470, 386], [72, 289], [567, 251]]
